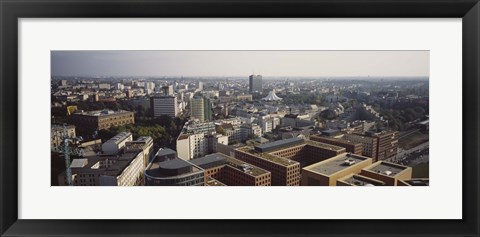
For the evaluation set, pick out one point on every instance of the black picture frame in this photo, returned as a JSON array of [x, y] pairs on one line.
[[11, 11]]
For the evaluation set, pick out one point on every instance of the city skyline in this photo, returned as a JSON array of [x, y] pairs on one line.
[[240, 63]]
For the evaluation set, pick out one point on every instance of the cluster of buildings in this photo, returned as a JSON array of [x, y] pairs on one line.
[[289, 162], [237, 133]]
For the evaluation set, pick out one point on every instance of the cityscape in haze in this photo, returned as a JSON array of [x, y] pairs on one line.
[[239, 118]]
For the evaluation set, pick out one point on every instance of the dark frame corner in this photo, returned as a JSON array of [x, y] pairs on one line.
[[10, 11]]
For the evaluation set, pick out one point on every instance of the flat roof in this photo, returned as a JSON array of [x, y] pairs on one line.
[[266, 147], [418, 182], [335, 164], [60, 127], [99, 113], [216, 158], [123, 162], [360, 180], [386, 168], [324, 145], [119, 137], [165, 152], [273, 158], [334, 140], [213, 182], [245, 167], [170, 168]]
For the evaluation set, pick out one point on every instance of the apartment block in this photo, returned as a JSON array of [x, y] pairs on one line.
[[387, 172], [327, 172], [351, 147], [232, 172]]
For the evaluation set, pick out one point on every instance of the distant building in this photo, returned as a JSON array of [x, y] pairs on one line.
[[201, 108], [352, 147], [164, 105], [379, 146], [104, 86], [88, 122], [255, 83]]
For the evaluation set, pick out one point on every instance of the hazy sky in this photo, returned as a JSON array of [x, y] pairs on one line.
[[240, 63]]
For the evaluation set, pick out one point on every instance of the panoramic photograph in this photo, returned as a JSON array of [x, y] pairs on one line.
[[239, 118]]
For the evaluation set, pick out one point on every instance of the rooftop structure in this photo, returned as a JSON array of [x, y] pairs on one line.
[[175, 172], [358, 180], [387, 172], [335, 164], [108, 170], [101, 113], [271, 146], [271, 97], [327, 172], [213, 182], [266, 156], [387, 169]]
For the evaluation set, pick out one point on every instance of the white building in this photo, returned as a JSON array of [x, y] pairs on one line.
[[116, 143], [149, 86], [191, 146], [104, 86], [119, 86], [126, 171]]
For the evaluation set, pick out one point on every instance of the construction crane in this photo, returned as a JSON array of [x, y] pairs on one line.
[[68, 150]]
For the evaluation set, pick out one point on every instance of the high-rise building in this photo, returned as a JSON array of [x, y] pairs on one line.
[[197, 108], [200, 86], [164, 105], [207, 109], [201, 108], [255, 83]]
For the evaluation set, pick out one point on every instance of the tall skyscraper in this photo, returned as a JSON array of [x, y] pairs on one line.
[[255, 83]]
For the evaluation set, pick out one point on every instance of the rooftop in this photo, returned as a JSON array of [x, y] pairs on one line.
[[213, 182], [60, 127], [79, 163], [266, 156], [244, 167], [336, 164], [120, 137], [99, 113], [333, 139], [324, 145], [360, 180], [123, 162], [210, 161], [418, 182], [170, 168], [165, 152], [266, 147], [386, 168]]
